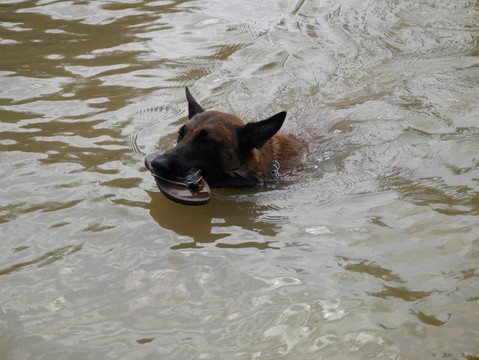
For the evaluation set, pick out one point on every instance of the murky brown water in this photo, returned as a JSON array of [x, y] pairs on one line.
[[370, 252]]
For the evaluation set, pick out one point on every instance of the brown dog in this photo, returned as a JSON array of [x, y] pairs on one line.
[[227, 151]]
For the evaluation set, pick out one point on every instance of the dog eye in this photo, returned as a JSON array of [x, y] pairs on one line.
[[203, 137]]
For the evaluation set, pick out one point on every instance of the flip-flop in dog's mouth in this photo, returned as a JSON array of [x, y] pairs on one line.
[[190, 189]]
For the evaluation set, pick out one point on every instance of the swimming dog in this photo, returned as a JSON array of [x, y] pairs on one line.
[[228, 152]]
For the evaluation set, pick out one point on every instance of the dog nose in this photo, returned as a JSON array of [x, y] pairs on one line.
[[160, 165], [149, 159], [157, 163]]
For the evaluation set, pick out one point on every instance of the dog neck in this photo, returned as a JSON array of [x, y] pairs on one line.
[[278, 156]]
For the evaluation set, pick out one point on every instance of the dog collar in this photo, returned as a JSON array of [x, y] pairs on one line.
[[275, 164], [275, 172]]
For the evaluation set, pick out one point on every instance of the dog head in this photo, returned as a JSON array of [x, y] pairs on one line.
[[221, 145]]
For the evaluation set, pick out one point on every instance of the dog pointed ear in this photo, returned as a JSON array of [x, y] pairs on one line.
[[193, 106], [255, 135]]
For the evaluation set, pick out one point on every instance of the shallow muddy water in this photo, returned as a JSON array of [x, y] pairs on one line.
[[369, 251]]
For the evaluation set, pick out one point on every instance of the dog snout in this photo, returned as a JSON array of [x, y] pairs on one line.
[[158, 163], [161, 165]]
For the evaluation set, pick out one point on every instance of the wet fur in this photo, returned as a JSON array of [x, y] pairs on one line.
[[228, 151]]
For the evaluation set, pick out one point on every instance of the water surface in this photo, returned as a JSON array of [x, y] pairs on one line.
[[369, 251]]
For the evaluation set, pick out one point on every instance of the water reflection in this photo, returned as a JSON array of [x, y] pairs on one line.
[[402, 293], [44, 260], [431, 319], [369, 267], [217, 220]]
